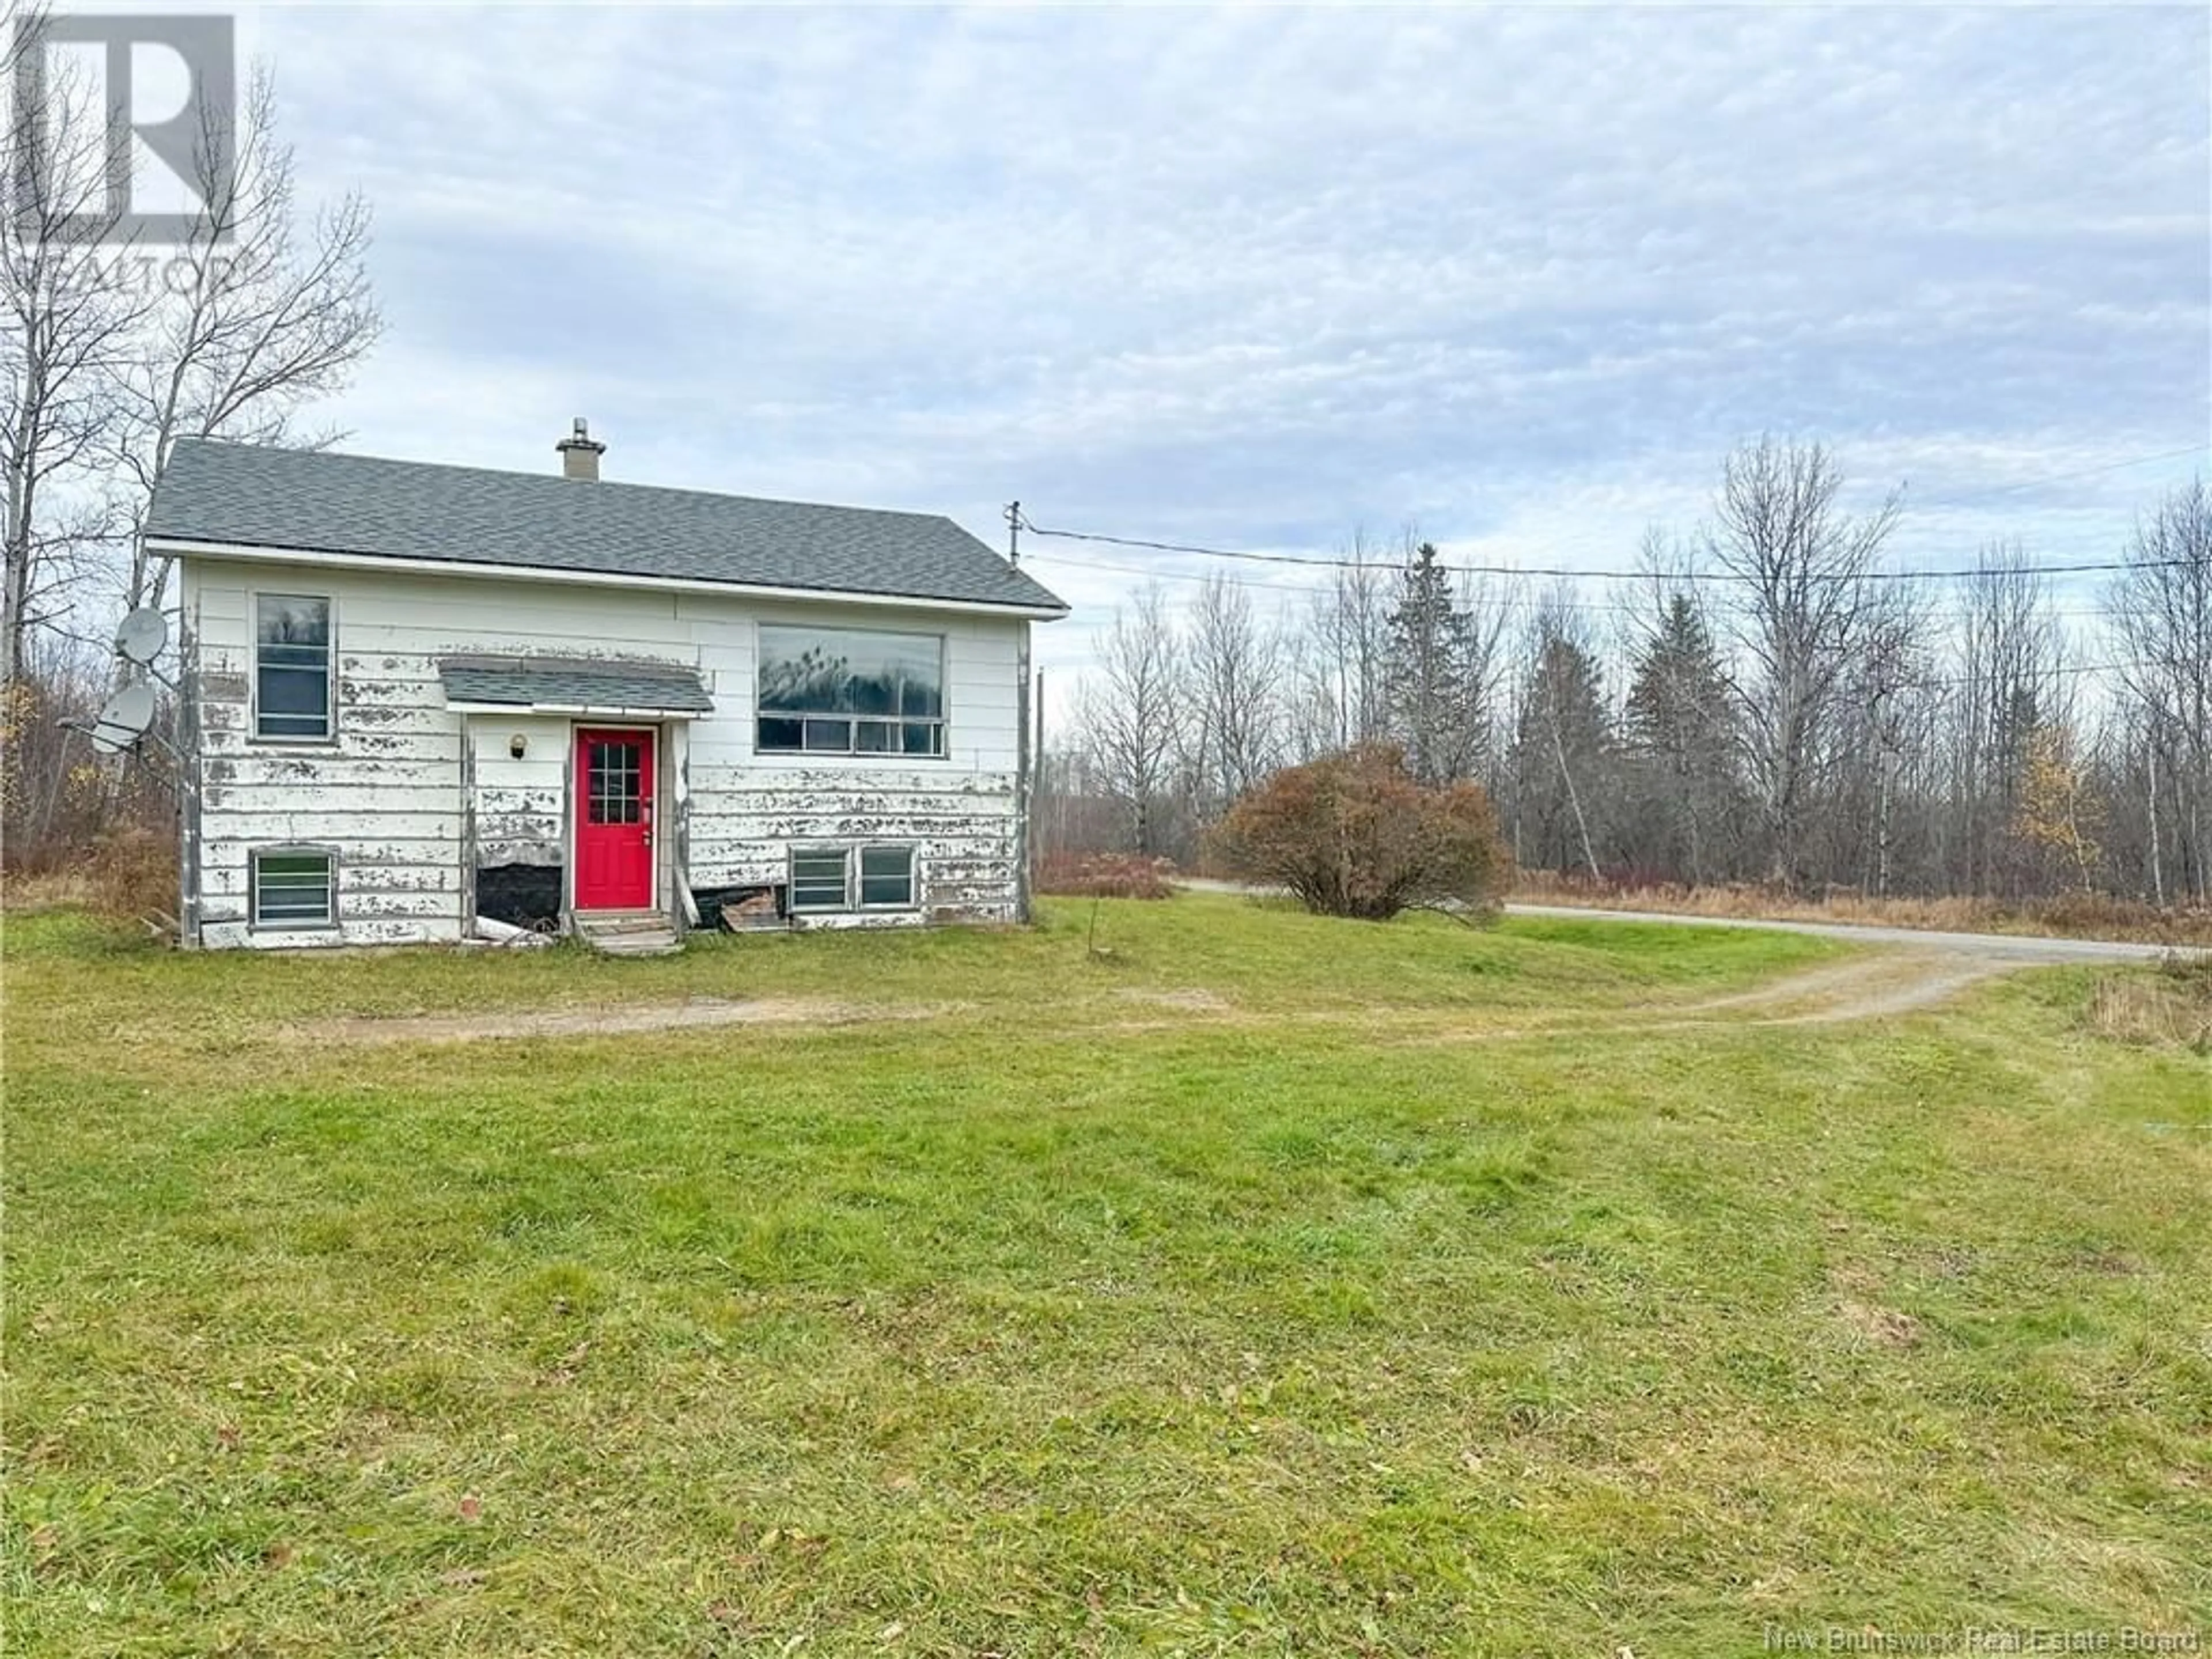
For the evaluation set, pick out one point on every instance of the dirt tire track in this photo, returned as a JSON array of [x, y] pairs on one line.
[[616, 1019], [1867, 988], [1875, 987], [1879, 985]]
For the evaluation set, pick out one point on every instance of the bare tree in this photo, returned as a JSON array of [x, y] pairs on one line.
[[257, 323], [1237, 666], [1803, 610], [1563, 748], [2162, 611], [1490, 606], [110, 352], [1883, 709], [1132, 712], [2007, 648], [69, 328], [1342, 654]]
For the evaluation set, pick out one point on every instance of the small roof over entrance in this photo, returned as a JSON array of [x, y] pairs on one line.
[[572, 685]]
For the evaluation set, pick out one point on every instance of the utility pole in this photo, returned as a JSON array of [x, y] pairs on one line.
[[2157, 859], [1013, 516]]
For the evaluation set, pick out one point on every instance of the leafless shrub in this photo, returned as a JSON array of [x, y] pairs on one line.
[[1354, 835]]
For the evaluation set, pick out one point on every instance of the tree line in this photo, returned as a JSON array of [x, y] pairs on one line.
[[1765, 700]]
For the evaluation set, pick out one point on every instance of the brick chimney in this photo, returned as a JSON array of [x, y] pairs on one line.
[[580, 453]]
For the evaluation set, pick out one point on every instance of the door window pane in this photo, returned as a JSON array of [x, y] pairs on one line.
[[615, 792]]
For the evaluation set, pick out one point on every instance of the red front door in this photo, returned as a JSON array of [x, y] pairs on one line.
[[614, 820]]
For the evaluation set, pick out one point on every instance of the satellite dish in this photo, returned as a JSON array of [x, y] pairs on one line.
[[144, 634], [123, 721]]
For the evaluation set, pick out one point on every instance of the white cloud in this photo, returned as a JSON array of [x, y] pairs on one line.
[[1257, 277]]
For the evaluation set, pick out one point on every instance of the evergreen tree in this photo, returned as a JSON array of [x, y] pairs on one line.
[[1563, 746], [1682, 742], [1431, 680]]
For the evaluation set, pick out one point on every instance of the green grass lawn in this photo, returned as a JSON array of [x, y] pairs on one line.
[[1269, 1286]]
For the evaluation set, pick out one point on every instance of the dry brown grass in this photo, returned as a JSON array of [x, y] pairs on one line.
[[133, 876], [2173, 1006], [2074, 916], [130, 875], [1105, 875], [25, 891]]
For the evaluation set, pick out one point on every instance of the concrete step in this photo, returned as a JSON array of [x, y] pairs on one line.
[[629, 933], [622, 921], [638, 945]]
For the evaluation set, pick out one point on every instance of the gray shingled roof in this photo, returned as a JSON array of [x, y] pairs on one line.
[[574, 683], [254, 496]]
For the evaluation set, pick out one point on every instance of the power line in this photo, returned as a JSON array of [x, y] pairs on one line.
[[2063, 670], [1589, 607], [1586, 608], [1307, 561], [1907, 682], [1021, 521], [1915, 683], [1257, 584], [2062, 478]]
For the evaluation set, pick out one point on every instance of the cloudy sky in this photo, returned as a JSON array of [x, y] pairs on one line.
[[1256, 277]]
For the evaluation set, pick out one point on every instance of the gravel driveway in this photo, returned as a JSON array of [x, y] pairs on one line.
[[1996, 947], [2008, 949]]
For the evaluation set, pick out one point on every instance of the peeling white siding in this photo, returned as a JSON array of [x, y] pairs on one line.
[[748, 810], [521, 807], [745, 819], [415, 797]]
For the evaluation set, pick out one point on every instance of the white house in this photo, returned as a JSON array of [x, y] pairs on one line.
[[416, 695]]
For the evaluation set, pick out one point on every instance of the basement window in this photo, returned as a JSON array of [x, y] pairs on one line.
[[818, 879], [887, 877], [292, 887], [834, 878]]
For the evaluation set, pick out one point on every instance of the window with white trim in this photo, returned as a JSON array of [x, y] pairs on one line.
[[851, 691], [291, 666], [292, 887], [831, 879]]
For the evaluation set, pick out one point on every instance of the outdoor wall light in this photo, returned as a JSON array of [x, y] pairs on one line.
[[517, 746]]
